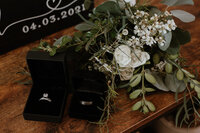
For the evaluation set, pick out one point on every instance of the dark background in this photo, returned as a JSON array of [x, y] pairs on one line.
[[34, 29]]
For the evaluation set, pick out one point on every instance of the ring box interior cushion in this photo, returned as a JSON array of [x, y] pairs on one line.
[[49, 78], [89, 95]]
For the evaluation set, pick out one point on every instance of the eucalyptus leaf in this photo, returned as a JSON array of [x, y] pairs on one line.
[[62, 41], [168, 67], [159, 78], [154, 10], [83, 27], [87, 4], [145, 109], [183, 15], [136, 81], [184, 2], [188, 73], [168, 38], [174, 46], [149, 89], [196, 82], [135, 94], [137, 106], [108, 6], [120, 3], [150, 106], [177, 2], [182, 36], [169, 2], [174, 84], [150, 78], [197, 89], [192, 85], [179, 75]]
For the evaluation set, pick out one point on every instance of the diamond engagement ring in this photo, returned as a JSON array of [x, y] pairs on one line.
[[45, 98]]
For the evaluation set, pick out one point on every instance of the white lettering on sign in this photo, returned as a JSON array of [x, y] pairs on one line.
[[47, 20]]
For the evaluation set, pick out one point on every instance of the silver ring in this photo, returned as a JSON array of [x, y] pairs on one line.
[[45, 98], [86, 103]]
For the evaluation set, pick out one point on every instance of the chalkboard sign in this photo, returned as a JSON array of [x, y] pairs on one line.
[[23, 21]]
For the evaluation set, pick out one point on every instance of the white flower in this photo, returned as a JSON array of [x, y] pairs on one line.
[[122, 55], [126, 73], [139, 58], [171, 24], [119, 37], [131, 2], [167, 13], [160, 40], [134, 41], [161, 65], [125, 32], [125, 58]]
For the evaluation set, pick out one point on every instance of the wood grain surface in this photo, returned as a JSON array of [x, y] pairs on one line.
[[13, 96]]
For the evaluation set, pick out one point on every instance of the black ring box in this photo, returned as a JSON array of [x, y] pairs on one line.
[[89, 95], [49, 75]]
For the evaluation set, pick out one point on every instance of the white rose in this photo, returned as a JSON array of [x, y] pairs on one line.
[[131, 2], [139, 58], [122, 55]]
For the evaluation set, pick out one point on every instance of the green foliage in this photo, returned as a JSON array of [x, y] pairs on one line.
[[156, 58], [182, 36], [179, 37], [177, 2], [135, 80], [154, 10], [183, 15], [174, 46], [160, 84], [168, 68], [189, 74], [179, 74], [135, 94], [83, 27], [87, 4], [101, 34], [150, 78], [58, 46], [137, 106], [150, 105], [108, 7], [149, 89], [174, 84], [168, 38]]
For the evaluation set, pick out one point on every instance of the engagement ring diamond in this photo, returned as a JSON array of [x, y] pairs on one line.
[[45, 97]]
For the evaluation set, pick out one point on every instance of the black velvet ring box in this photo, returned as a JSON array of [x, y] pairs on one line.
[[46, 101], [89, 95]]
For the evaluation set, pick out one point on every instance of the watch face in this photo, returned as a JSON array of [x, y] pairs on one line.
[[22, 21]]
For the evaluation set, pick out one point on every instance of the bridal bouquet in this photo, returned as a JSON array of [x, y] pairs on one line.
[[136, 46]]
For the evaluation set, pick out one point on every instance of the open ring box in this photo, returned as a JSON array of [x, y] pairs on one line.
[[46, 101], [89, 95]]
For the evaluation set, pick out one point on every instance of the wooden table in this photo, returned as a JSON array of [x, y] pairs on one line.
[[13, 96]]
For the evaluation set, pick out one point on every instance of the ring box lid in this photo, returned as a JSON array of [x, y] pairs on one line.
[[46, 69], [90, 81]]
